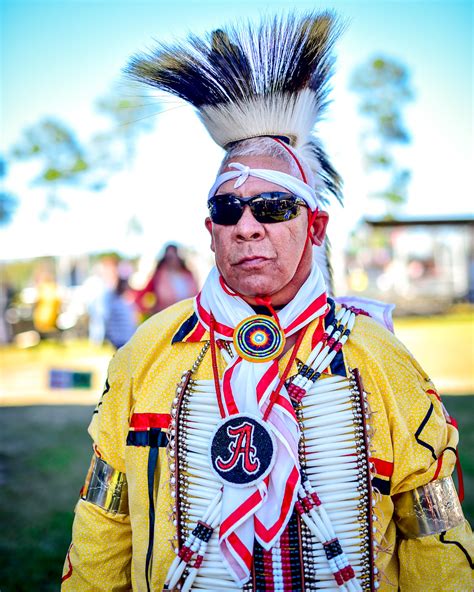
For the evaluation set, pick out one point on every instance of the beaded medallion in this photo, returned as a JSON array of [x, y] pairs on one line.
[[258, 339], [242, 450]]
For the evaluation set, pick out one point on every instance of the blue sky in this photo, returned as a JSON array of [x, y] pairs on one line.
[[58, 57]]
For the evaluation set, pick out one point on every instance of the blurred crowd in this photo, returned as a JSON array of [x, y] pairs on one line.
[[108, 304], [422, 269]]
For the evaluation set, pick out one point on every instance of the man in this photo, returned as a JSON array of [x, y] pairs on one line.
[[259, 437]]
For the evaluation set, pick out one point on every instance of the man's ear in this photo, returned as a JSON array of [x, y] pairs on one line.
[[208, 225], [319, 227]]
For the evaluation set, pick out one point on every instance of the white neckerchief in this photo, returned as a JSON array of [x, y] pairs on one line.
[[269, 504]]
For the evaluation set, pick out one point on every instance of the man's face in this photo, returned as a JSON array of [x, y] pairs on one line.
[[258, 259]]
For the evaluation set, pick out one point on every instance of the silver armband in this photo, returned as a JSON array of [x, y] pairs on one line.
[[106, 487], [429, 509]]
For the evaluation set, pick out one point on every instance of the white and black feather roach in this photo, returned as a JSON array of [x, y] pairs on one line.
[[270, 79]]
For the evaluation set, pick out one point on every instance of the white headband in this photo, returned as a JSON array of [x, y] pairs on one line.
[[296, 186]]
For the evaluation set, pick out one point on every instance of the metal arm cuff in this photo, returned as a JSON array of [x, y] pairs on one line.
[[430, 509], [106, 487]]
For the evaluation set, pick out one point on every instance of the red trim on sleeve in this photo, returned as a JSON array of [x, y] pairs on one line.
[[145, 421], [67, 575], [382, 467], [434, 393]]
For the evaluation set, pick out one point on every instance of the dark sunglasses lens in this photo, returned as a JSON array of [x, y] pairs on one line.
[[267, 208], [225, 210], [274, 209]]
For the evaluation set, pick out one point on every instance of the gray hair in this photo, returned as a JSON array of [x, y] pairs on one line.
[[266, 146]]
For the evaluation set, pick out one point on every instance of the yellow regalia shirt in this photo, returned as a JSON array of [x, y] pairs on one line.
[[413, 444]]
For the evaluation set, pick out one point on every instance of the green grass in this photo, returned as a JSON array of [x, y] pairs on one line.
[[462, 409], [45, 453]]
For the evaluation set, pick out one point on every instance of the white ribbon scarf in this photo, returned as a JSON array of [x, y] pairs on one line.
[[260, 511]]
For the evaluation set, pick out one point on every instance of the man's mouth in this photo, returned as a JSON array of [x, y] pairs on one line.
[[251, 262]]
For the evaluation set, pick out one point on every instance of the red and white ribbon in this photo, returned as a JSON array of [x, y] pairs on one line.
[[260, 511]]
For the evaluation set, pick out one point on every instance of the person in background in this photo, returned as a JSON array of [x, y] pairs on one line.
[[120, 314], [6, 297], [171, 282], [98, 289], [48, 304]]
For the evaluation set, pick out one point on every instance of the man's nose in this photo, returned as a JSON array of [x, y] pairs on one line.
[[248, 228]]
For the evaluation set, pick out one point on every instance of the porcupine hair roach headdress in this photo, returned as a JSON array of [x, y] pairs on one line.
[[266, 80]]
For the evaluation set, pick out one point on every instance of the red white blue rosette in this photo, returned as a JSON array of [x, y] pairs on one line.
[[258, 339]]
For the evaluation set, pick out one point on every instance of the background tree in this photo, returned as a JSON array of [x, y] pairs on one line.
[[384, 88], [62, 158], [65, 160], [8, 201], [131, 111]]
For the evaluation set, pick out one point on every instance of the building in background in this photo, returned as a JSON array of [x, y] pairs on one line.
[[422, 265]]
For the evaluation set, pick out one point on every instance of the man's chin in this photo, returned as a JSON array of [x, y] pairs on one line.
[[252, 290], [255, 285]]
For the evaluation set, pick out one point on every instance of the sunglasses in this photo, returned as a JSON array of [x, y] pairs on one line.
[[267, 208]]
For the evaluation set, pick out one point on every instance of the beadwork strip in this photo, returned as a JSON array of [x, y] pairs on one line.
[[195, 414], [334, 456]]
